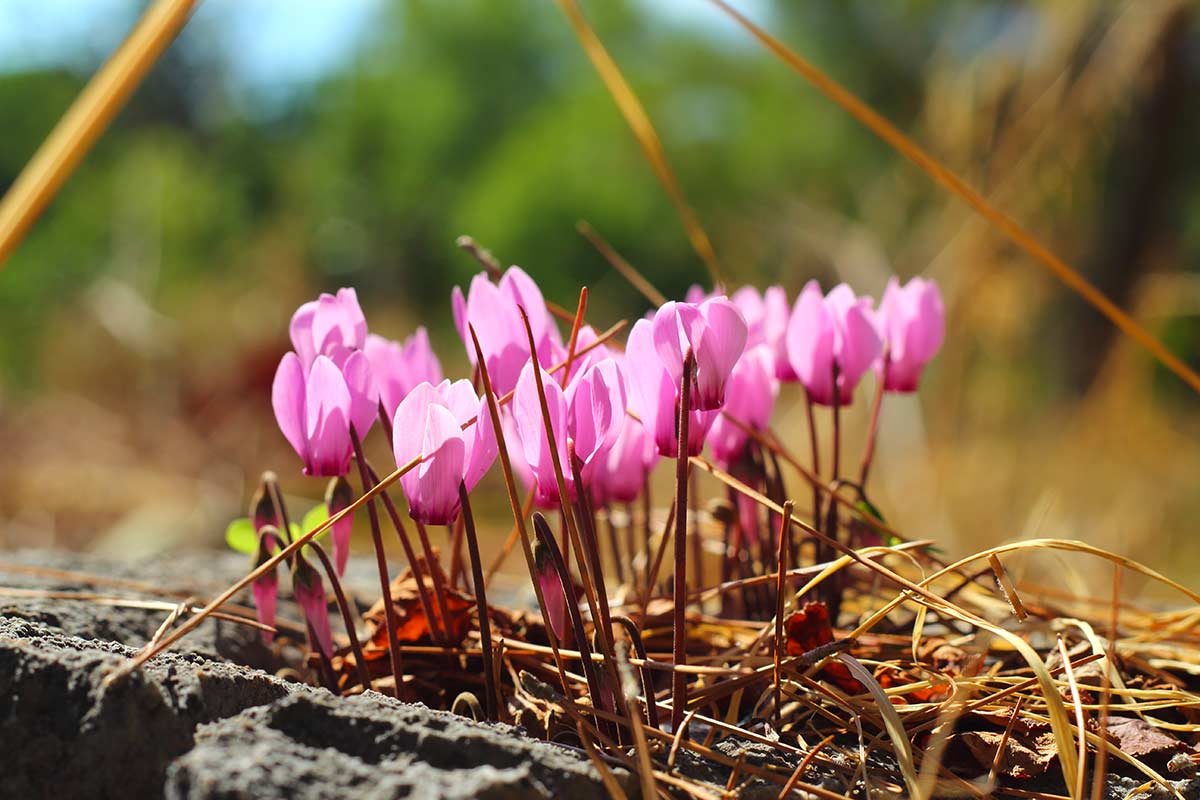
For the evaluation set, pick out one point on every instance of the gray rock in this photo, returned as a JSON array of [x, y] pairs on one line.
[[194, 724]]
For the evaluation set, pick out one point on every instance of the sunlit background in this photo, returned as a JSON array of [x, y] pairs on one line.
[[284, 148]]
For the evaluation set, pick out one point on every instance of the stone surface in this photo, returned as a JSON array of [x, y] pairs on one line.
[[195, 724]]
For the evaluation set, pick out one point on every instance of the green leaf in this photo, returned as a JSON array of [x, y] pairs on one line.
[[240, 536], [315, 516], [868, 509]]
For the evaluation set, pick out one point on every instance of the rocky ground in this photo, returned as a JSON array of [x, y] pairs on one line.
[[198, 723]]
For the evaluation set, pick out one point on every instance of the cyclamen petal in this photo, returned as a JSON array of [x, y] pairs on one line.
[[329, 322], [836, 329], [266, 589], [714, 331], [622, 475], [364, 398], [327, 423], [493, 311], [428, 423], [752, 392], [596, 401], [309, 591], [912, 321], [440, 474], [535, 446], [653, 395], [287, 399], [398, 367], [810, 337]]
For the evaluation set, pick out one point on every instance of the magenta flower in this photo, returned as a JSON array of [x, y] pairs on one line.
[[398, 367], [750, 399], [587, 335], [766, 318], [653, 395], [622, 474], [492, 310], [309, 591], [912, 322], [326, 324], [715, 333], [316, 407], [824, 331], [429, 422], [589, 413], [266, 586]]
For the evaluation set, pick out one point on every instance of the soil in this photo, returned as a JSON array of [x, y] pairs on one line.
[[198, 722]]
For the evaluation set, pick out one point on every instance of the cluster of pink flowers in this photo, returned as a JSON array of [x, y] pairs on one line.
[[613, 414]]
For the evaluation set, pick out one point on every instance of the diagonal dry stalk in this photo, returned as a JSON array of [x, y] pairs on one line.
[[86, 119], [643, 130], [947, 178]]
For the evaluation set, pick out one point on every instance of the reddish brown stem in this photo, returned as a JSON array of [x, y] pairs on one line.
[[481, 605], [682, 464], [364, 678], [437, 630], [873, 428], [385, 584]]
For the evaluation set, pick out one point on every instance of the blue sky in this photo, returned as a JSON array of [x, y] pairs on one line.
[[270, 45]]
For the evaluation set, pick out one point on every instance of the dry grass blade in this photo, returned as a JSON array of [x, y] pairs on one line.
[[86, 119], [957, 186], [627, 271], [891, 722], [1006, 584], [643, 130], [148, 652]]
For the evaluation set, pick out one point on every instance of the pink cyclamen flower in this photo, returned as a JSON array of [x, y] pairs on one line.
[[398, 367], [715, 333], [429, 422], [309, 591], [824, 331], [330, 322], [266, 586], [912, 322], [653, 395], [493, 311], [622, 475], [315, 408], [766, 318], [587, 413], [750, 400]]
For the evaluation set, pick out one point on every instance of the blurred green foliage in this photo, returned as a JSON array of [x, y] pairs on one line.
[[469, 117]]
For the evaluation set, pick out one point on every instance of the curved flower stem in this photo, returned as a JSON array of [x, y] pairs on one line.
[[614, 543], [816, 461], [873, 429], [647, 508], [438, 630], [833, 588], [591, 546], [457, 576], [639, 649], [280, 507], [364, 677], [510, 487], [545, 539], [385, 584], [490, 686], [679, 640]]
